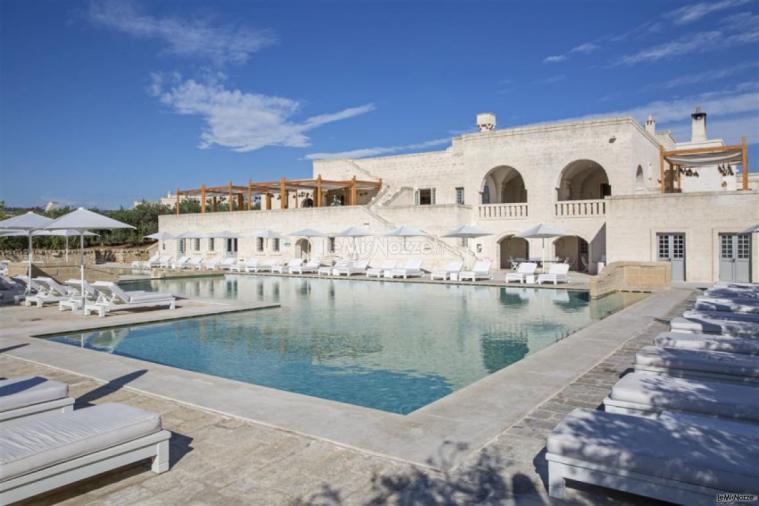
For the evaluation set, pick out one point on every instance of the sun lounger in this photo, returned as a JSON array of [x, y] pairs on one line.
[[709, 365], [376, 270], [180, 263], [48, 452], [113, 298], [48, 291], [228, 263], [28, 396], [284, 268], [663, 459], [746, 287], [732, 294], [74, 302], [723, 315], [308, 267], [357, 267], [644, 394], [711, 326], [295, 266], [276, 265], [412, 269], [326, 270], [481, 270], [453, 267], [725, 304], [557, 273], [252, 265], [212, 263], [707, 342], [11, 290], [165, 262], [525, 269]]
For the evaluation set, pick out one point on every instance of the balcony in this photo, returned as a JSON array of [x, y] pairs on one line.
[[580, 208], [502, 211]]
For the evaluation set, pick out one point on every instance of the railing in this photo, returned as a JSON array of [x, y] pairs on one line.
[[580, 208], [503, 211]]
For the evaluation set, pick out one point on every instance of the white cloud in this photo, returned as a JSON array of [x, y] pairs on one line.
[[711, 75], [585, 48], [700, 42], [694, 12], [183, 37], [555, 58], [240, 120], [376, 151]]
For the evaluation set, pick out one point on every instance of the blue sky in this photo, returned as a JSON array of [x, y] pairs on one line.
[[103, 103]]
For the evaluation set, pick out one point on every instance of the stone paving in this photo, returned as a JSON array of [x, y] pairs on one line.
[[222, 460]]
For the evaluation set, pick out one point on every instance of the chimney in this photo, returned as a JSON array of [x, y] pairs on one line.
[[651, 125], [486, 121], [698, 126]]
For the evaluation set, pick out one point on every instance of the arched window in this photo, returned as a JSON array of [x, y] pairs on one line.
[[583, 180], [503, 185]]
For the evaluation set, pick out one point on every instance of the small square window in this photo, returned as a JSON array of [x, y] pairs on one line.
[[259, 244], [425, 197]]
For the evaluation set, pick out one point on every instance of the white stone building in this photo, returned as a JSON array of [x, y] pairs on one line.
[[621, 191]]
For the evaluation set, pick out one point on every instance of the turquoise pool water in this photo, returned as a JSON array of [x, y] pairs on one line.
[[389, 346]]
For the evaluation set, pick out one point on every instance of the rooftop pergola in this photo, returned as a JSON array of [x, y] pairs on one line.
[[680, 159], [240, 197]]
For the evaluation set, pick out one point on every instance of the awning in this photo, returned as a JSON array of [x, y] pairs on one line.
[[704, 160]]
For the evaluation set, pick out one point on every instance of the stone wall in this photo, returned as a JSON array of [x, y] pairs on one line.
[[633, 222], [91, 255], [631, 276]]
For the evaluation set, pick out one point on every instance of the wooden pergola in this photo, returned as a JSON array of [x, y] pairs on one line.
[[679, 159], [241, 197]]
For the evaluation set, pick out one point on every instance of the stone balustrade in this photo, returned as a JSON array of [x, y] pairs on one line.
[[503, 211], [580, 208]]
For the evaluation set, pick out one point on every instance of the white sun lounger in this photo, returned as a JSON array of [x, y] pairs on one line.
[[74, 302], [376, 270], [326, 270], [48, 291], [28, 396], [228, 263], [723, 315], [357, 267], [727, 304], [284, 268], [113, 298], [308, 267], [180, 263], [712, 326], [525, 269], [708, 365], [665, 459], [557, 273], [707, 342], [165, 262], [453, 267], [647, 395], [412, 269], [213, 263], [48, 452], [252, 265], [481, 270]]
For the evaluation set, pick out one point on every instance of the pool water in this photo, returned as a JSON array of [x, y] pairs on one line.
[[389, 346]]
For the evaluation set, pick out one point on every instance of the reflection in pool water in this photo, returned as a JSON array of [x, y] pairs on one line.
[[389, 346]]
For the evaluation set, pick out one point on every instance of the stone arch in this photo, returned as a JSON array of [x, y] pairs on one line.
[[503, 185], [302, 248], [583, 180], [575, 250], [512, 247]]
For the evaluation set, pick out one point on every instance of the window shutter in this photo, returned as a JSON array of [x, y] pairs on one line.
[[416, 197], [432, 197]]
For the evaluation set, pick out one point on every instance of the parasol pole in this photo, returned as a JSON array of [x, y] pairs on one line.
[[81, 269], [29, 281]]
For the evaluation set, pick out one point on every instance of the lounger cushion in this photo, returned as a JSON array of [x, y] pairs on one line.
[[662, 448], [712, 326], [708, 342], [29, 390], [47, 440], [715, 362], [660, 392], [724, 315]]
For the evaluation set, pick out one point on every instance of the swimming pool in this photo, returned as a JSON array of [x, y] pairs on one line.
[[390, 346]]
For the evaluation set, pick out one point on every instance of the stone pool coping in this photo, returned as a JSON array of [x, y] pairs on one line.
[[471, 416]]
